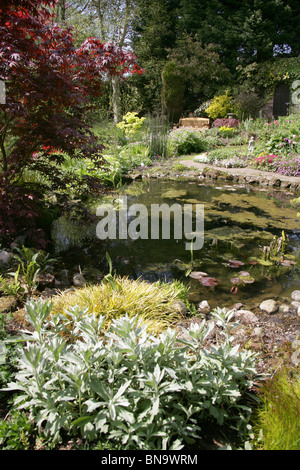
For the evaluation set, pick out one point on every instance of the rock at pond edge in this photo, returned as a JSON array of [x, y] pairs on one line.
[[269, 306]]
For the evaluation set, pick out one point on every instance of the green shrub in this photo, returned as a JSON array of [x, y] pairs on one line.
[[187, 140], [227, 132], [118, 161], [131, 124], [247, 104], [125, 385], [220, 106], [16, 432]]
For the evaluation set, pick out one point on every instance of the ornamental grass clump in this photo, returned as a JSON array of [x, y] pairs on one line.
[[154, 303], [278, 418], [127, 387]]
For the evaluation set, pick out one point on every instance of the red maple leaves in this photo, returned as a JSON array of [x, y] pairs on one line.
[[48, 84], [46, 76]]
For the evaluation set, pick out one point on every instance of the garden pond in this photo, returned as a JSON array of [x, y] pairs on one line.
[[250, 251]]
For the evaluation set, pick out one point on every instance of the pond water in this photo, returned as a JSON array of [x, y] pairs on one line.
[[239, 222]]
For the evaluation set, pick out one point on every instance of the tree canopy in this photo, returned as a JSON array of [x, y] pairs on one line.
[[48, 85], [240, 33], [248, 31]]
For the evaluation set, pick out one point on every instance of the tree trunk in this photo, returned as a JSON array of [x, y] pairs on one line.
[[116, 98], [104, 11], [60, 10]]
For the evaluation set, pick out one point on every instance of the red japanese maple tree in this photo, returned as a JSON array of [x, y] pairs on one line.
[[48, 84]]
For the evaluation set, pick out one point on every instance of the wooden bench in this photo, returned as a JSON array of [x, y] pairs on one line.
[[201, 123]]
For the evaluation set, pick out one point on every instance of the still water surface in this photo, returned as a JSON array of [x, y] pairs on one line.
[[239, 222]]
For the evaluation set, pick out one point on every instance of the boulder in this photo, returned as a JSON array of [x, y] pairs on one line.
[[284, 308], [63, 277], [263, 181], [237, 306], [180, 307], [258, 331], [18, 242], [204, 307], [48, 293], [5, 257], [269, 306], [296, 295], [295, 305], [274, 182], [45, 280], [245, 316], [251, 180], [79, 280]]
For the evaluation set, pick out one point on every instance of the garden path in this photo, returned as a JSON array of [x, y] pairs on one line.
[[250, 172]]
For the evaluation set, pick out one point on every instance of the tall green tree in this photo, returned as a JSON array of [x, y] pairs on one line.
[[215, 22], [193, 74], [291, 32], [173, 90], [200, 70], [245, 32], [267, 29], [154, 34]]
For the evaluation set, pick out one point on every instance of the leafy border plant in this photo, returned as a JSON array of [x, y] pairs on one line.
[[127, 386]]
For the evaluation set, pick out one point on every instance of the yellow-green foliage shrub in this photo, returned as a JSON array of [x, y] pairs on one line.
[[220, 106], [131, 123], [227, 132]]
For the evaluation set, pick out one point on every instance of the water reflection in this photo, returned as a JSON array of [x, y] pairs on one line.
[[239, 222]]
